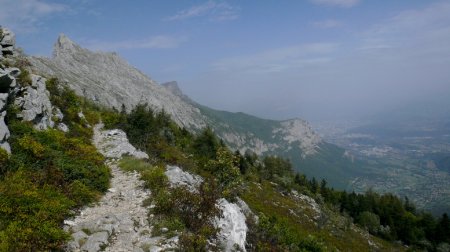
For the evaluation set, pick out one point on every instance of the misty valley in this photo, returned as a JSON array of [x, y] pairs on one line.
[[408, 157]]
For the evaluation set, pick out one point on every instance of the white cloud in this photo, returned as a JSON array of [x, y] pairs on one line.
[[327, 24], [339, 3], [155, 42], [280, 59], [421, 29], [26, 15], [218, 11]]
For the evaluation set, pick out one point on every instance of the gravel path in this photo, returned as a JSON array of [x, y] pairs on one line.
[[118, 222]]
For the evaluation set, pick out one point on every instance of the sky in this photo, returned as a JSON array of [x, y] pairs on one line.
[[314, 59]]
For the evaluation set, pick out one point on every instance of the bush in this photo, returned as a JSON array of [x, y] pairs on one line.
[[155, 179], [30, 215], [223, 168], [4, 156], [370, 221], [25, 77], [129, 164], [81, 194]]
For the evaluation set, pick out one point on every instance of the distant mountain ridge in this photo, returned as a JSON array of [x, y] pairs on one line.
[[109, 80]]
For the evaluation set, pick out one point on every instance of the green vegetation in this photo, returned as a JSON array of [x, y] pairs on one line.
[[329, 163], [24, 77], [48, 174]]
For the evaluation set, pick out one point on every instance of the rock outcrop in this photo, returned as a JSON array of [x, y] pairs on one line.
[[32, 100], [34, 103], [114, 143], [293, 130], [6, 82], [7, 42]]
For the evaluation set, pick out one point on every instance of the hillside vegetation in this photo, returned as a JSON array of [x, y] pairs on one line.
[[48, 174], [51, 173]]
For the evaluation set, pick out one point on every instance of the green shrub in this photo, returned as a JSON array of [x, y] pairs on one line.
[[173, 224], [81, 194], [129, 164], [155, 179], [30, 215], [25, 77], [223, 168], [4, 156]]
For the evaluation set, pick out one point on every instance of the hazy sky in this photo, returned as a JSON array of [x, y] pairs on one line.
[[314, 59]]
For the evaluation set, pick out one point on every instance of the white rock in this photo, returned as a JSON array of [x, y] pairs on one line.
[[114, 143], [233, 229], [9, 38], [35, 105], [69, 223], [178, 177], [63, 127]]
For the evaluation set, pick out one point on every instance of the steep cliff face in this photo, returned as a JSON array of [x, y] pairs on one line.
[[108, 79]]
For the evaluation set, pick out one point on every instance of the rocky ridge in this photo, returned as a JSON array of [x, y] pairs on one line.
[[109, 80]]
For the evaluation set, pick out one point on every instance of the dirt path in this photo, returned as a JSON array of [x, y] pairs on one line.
[[118, 222]]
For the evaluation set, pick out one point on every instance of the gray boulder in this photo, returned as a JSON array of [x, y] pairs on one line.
[[7, 42], [35, 105], [8, 39], [63, 127], [178, 177], [3, 100], [114, 143]]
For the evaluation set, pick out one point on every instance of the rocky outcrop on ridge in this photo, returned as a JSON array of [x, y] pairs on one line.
[[34, 103], [31, 99], [293, 130]]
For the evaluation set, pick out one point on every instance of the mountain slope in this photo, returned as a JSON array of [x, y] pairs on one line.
[[109, 80]]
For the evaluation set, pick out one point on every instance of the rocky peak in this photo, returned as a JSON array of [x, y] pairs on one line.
[[298, 130], [173, 87], [109, 80], [64, 45]]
